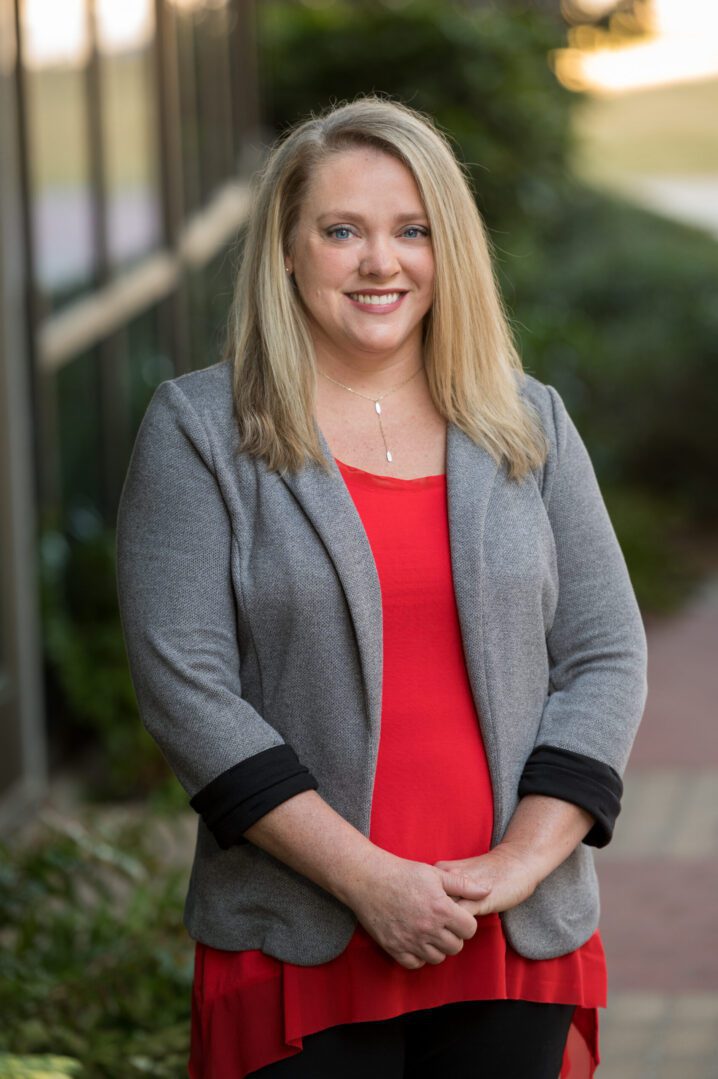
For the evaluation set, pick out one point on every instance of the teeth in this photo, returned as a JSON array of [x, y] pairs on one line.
[[389, 297]]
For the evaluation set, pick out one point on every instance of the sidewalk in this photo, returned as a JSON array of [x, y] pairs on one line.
[[659, 875], [690, 199]]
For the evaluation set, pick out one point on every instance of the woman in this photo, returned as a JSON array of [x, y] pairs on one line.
[[379, 623]]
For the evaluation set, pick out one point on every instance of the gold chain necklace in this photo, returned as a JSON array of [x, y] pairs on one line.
[[375, 400]]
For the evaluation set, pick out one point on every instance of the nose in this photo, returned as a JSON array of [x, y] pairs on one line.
[[379, 259]]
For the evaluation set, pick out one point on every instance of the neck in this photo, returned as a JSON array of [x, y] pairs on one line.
[[369, 374]]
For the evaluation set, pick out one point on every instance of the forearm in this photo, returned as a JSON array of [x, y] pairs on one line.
[[305, 833], [544, 831], [404, 905], [541, 834]]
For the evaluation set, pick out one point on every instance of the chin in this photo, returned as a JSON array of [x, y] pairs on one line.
[[382, 342]]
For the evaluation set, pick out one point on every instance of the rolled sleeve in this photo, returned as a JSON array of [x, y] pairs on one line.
[[244, 793], [596, 643], [574, 777]]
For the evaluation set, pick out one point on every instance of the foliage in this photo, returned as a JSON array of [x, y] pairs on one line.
[[94, 962], [37, 1067], [482, 74], [621, 319], [611, 304], [86, 658]]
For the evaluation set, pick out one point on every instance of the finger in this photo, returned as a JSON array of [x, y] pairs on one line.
[[462, 922], [411, 962], [458, 884], [448, 943], [432, 954], [478, 907]]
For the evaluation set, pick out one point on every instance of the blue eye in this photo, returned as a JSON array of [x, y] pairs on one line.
[[416, 230], [334, 232]]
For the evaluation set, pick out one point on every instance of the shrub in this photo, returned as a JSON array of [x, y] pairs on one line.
[[94, 962], [611, 304]]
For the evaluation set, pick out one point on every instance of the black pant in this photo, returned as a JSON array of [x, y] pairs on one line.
[[475, 1039]]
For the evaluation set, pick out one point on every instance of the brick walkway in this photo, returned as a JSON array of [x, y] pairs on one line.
[[659, 875]]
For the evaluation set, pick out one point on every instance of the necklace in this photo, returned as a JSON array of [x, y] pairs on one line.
[[376, 401]]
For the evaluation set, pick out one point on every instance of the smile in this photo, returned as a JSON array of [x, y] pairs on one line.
[[382, 300]]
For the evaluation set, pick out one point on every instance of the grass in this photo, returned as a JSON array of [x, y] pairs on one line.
[[668, 130]]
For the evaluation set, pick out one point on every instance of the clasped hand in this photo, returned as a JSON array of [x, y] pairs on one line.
[[422, 913]]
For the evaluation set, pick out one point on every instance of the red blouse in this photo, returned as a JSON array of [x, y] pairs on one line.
[[432, 800]]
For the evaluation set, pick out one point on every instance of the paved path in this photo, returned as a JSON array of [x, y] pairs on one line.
[[690, 199], [659, 875]]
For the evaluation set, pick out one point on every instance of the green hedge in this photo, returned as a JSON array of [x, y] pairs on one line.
[[611, 304], [482, 74], [92, 707], [95, 964]]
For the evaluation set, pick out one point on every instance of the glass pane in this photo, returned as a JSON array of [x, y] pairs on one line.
[[55, 50], [11, 762], [80, 442], [212, 24], [210, 293], [147, 361], [241, 49], [125, 33], [203, 32], [189, 127]]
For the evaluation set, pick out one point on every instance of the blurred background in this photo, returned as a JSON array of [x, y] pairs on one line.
[[129, 132]]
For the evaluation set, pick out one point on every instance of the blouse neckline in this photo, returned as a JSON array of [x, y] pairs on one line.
[[373, 479]]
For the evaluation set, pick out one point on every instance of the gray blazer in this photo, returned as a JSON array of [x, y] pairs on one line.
[[251, 610]]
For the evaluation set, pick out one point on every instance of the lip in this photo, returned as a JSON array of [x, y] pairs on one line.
[[375, 308]]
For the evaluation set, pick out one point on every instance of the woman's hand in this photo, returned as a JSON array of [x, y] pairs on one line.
[[507, 875], [407, 907], [541, 834]]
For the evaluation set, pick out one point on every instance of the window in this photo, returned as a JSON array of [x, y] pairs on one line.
[[129, 128], [55, 49]]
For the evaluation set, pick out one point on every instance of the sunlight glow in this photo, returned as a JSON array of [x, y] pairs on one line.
[[55, 33], [680, 44], [125, 26]]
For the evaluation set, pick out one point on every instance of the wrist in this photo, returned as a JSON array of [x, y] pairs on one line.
[[544, 831], [354, 874], [526, 858]]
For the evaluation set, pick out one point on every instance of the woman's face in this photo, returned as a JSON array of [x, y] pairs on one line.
[[362, 257]]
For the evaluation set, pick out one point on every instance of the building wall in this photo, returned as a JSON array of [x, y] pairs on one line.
[[130, 131]]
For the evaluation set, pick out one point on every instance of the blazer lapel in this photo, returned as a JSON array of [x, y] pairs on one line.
[[327, 503], [470, 473], [471, 477]]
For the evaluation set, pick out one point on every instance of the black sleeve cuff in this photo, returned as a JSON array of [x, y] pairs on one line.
[[574, 777], [234, 800]]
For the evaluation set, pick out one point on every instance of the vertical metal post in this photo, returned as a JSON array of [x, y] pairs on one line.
[[23, 764], [174, 329]]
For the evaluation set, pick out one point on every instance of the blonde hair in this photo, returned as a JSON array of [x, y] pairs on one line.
[[472, 366]]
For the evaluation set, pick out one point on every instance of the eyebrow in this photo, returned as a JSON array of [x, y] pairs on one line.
[[344, 215]]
